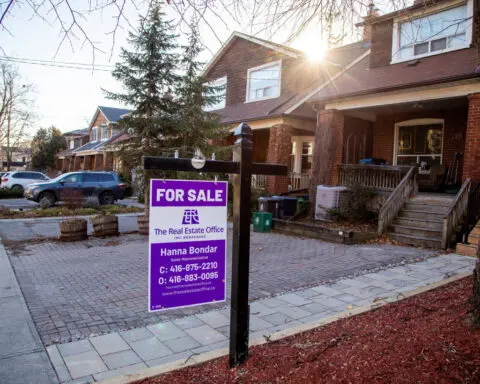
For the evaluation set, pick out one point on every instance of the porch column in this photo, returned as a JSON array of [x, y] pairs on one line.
[[98, 165], [278, 152], [108, 161], [328, 149], [76, 163], [471, 162]]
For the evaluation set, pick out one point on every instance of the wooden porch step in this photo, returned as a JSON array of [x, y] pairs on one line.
[[466, 249], [424, 207], [419, 223], [419, 214], [434, 234], [418, 241]]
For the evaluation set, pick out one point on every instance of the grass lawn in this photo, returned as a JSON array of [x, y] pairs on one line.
[[422, 339], [64, 211]]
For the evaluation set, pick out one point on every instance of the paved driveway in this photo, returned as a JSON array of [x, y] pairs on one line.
[[18, 203], [74, 290]]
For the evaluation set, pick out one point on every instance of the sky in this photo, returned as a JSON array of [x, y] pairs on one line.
[[66, 97]]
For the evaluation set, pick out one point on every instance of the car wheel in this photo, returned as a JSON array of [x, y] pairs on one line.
[[107, 198], [17, 189], [46, 200]]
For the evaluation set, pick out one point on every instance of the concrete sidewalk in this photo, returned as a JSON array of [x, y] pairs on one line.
[[119, 353], [23, 359]]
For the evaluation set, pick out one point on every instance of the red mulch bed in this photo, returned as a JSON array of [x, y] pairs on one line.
[[423, 339]]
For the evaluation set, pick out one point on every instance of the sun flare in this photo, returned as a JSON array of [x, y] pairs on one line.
[[312, 45]]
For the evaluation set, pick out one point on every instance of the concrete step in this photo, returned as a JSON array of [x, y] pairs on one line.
[[473, 238], [419, 223], [436, 208], [425, 215], [434, 234], [466, 249], [417, 240]]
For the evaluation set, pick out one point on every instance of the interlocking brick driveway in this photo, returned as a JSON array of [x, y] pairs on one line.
[[74, 290]]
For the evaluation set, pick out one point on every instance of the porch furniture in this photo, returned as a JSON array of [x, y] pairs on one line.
[[433, 180]]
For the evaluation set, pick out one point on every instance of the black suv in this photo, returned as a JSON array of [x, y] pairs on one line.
[[106, 186]]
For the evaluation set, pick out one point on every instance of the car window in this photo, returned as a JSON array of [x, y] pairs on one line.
[[17, 176], [37, 176], [90, 178], [105, 177], [76, 178]]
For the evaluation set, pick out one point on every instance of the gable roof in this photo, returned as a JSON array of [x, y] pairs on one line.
[[335, 63], [113, 114], [284, 49], [77, 132]]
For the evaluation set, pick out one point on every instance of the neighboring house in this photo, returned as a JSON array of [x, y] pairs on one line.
[[96, 153], [75, 139], [20, 158], [264, 84]]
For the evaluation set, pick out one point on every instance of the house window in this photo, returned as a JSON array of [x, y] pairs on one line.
[[307, 156], [302, 154], [104, 132], [219, 94], [72, 143], [439, 32], [419, 143], [263, 82], [94, 134]]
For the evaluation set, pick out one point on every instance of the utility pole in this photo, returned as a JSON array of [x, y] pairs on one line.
[[9, 119]]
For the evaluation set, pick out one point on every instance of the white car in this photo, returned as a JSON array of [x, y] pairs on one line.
[[17, 181]]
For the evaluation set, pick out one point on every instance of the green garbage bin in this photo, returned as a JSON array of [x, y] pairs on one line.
[[262, 221]]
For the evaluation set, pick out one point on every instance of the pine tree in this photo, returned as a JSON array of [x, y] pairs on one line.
[[149, 76], [198, 128]]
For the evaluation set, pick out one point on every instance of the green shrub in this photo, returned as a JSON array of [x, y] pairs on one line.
[[356, 210]]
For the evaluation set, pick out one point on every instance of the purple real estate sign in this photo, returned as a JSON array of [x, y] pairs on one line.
[[187, 240]]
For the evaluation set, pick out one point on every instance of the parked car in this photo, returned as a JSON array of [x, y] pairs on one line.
[[18, 181], [106, 186]]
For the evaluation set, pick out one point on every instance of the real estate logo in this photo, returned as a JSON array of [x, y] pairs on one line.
[[190, 216]]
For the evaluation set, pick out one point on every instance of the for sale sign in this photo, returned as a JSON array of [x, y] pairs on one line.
[[187, 240]]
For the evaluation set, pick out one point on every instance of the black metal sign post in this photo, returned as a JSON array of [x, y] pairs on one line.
[[242, 168]]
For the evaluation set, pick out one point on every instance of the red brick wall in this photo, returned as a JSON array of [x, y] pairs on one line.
[[279, 150], [260, 145], [453, 135], [382, 34], [363, 147], [243, 55], [472, 147]]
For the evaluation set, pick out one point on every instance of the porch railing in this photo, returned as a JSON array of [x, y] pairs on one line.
[[455, 214], [259, 181], [407, 186], [380, 177], [299, 180]]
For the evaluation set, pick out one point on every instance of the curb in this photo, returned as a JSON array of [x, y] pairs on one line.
[[207, 356], [58, 218]]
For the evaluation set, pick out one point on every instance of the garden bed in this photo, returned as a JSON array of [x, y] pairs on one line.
[[423, 339], [6, 213], [344, 233]]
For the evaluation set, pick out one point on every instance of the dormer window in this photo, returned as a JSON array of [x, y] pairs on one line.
[[442, 31], [104, 132], [263, 82], [94, 134]]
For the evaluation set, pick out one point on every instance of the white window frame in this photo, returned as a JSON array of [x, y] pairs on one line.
[[297, 156], [94, 129], [103, 126], [414, 122], [431, 11], [263, 66], [221, 81], [72, 144]]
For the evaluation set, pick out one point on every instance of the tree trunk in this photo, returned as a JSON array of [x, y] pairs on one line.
[[476, 290]]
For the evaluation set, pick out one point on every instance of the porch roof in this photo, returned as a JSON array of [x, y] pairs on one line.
[[360, 79]]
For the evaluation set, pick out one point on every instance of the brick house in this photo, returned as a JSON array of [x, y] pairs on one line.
[[95, 151], [75, 139], [413, 99], [263, 84]]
